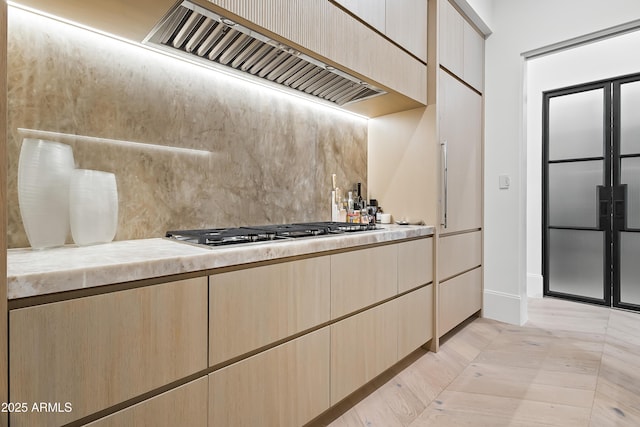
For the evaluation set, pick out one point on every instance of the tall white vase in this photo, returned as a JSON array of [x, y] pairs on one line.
[[93, 206], [44, 169]]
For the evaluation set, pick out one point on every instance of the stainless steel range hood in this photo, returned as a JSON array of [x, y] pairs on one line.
[[200, 34]]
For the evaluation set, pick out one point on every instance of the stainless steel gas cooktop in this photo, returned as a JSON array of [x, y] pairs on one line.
[[265, 233]]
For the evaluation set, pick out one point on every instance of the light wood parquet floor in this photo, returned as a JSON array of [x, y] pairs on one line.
[[572, 364]]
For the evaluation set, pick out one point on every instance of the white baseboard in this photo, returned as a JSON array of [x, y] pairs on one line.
[[534, 285], [504, 307]]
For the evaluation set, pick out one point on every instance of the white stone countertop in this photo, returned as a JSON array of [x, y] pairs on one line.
[[40, 272]]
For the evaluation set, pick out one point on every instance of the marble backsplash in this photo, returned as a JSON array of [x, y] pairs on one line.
[[190, 147]]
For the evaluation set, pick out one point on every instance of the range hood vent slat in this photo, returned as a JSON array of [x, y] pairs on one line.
[[291, 71], [270, 56], [264, 49], [339, 88], [202, 31], [186, 30], [171, 25], [235, 47], [313, 75], [320, 84], [331, 84], [224, 42], [194, 31], [285, 66], [267, 69], [249, 50], [210, 40], [298, 74]]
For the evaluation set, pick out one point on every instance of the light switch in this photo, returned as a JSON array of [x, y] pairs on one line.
[[505, 182]]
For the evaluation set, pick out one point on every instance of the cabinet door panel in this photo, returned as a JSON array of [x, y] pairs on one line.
[[451, 36], [406, 24], [101, 350], [362, 278], [460, 117], [362, 346], [182, 406], [255, 307], [458, 253], [370, 11], [285, 386], [473, 57], [415, 264], [415, 320], [458, 299]]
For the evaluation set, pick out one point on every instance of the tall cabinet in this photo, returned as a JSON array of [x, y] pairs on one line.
[[459, 106], [426, 164]]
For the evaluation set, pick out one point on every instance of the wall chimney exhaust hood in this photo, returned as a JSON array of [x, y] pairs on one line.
[[204, 36]]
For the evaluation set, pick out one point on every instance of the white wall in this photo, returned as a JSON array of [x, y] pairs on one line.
[[520, 26], [595, 61]]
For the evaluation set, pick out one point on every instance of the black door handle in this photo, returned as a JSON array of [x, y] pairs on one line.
[[604, 212], [620, 207]]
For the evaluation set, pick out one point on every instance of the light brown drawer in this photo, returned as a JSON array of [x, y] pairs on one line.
[[182, 406], [97, 351], [255, 307], [286, 386], [362, 346], [459, 253], [415, 320], [415, 264], [363, 277], [458, 299]]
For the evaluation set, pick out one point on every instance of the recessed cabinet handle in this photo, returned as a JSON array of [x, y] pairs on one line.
[[444, 207]]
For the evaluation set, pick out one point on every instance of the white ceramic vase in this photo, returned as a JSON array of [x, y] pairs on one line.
[[93, 206], [44, 168]]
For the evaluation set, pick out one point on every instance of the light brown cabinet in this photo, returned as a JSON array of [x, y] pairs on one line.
[[362, 346], [403, 21], [97, 351], [460, 105], [460, 120], [458, 299], [473, 57], [254, 307], [182, 406], [461, 46], [261, 340], [362, 278], [370, 11], [460, 241], [459, 253], [287, 385], [451, 38], [406, 24], [415, 320], [415, 264]]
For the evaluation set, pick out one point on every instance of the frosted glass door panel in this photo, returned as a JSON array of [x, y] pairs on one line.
[[630, 118], [573, 193], [630, 268], [576, 125], [576, 262], [630, 175]]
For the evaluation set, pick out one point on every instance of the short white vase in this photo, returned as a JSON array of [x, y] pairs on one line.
[[93, 206]]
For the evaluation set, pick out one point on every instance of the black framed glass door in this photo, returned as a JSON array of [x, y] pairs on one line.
[[591, 192], [626, 206]]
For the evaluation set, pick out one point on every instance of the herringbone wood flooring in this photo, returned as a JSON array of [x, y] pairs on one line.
[[571, 365]]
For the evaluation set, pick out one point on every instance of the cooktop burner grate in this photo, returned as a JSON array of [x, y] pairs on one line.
[[265, 233]]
